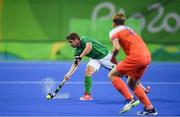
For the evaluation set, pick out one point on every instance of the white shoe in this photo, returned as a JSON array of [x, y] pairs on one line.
[[129, 104]]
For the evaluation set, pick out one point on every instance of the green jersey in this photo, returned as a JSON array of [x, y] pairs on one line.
[[98, 50]]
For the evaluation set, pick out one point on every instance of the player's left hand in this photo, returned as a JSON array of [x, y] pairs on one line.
[[77, 59], [113, 60]]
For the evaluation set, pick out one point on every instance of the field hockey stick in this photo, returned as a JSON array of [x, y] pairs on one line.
[[66, 77]]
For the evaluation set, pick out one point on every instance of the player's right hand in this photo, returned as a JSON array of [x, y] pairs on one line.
[[77, 59]]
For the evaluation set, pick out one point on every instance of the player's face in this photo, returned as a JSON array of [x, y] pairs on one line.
[[74, 43]]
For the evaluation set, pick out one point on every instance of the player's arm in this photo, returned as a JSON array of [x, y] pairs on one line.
[[87, 49], [116, 47], [115, 51]]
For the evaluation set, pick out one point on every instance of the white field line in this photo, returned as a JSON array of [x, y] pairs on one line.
[[74, 83], [82, 116]]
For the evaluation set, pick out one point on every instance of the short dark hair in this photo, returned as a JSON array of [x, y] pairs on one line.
[[72, 36], [119, 18]]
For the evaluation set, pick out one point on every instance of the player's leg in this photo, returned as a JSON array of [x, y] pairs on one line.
[[122, 88], [118, 84], [141, 95], [125, 68], [92, 67], [106, 62], [146, 89], [114, 76]]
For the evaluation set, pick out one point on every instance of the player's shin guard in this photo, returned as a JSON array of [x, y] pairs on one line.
[[88, 84]]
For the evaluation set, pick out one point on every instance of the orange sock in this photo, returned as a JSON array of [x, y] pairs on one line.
[[122, 88], [141, 95]]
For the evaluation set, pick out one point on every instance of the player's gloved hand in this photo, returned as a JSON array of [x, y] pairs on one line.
[[77, 59], [113, 60]]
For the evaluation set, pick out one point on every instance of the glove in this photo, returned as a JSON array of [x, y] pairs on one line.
[[77, 59], [113, 60]]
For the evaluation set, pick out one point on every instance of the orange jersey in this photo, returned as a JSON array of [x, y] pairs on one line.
[[138, 56], [131, 43]]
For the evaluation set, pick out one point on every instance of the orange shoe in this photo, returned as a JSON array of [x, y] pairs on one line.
[[86, 97]]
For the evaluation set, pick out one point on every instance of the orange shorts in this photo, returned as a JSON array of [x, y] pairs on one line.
[[133, 66]]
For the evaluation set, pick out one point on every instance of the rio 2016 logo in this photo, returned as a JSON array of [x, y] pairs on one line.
[[151, 27]]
